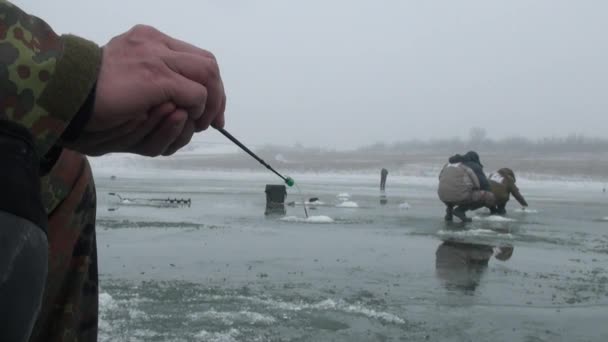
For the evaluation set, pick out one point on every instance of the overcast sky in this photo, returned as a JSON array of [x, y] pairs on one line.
[[347, 73]]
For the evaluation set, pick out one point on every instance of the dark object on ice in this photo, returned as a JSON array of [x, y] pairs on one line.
[[449, 213], [383, 199], [460, 212], [153, 202], [177, 201], [113, 177], [311, 201], [275, 199], [383, 175]]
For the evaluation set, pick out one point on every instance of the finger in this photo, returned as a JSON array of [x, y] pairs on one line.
[[186, 93], [156, 116], [165, 134], [125, 136], [181, 46], [204, 71], [197, 68], [183, 139], [164, 109], [219, 121]]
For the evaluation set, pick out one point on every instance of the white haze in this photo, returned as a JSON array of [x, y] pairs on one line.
[[341, 74]]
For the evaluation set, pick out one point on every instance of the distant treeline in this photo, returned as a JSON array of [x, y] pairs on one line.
[[478, 140], [569, 144]]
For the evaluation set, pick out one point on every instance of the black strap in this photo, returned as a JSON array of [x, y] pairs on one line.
[[75, 127], [19, 175]]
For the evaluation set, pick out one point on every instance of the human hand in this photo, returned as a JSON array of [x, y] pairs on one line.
[[153, 93], [503, 253]]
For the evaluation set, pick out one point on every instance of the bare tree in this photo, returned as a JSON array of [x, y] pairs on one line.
[[477, 136]]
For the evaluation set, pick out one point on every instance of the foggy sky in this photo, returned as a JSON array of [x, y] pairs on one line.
[[347, 73]]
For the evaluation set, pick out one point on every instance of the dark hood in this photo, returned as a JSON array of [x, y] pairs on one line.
[[457, 158], [508, 173], [473, 156]]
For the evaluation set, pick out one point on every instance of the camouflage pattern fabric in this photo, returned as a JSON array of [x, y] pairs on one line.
[[29, 50], [44, 80], [70, 308]]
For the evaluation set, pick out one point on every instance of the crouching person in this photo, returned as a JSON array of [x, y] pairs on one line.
[[461, 189], [502, 184]]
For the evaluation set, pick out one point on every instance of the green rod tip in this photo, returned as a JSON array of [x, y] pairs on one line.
[[289, 181]]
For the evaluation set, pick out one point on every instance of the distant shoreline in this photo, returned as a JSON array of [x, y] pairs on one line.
[[564, 167]]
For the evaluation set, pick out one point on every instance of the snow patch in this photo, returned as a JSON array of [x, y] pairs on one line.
[[310, 219], [348, 204], [228, 336], [526, 211], [344, 196], [404, 205], [493, 218]]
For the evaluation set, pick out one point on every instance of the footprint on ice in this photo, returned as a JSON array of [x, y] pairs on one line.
[[348, 204], [310, 219]]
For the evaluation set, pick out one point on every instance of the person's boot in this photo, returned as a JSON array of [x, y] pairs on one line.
[[448, 214], [460, 212]]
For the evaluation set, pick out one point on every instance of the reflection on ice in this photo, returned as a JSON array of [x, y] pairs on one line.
[[472, 233], [460, 265]]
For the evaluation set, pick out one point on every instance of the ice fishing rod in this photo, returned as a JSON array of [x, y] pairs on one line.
[[288, 180]]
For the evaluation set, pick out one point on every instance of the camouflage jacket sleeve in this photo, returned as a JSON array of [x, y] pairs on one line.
[[44, 78], [518, 196]]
